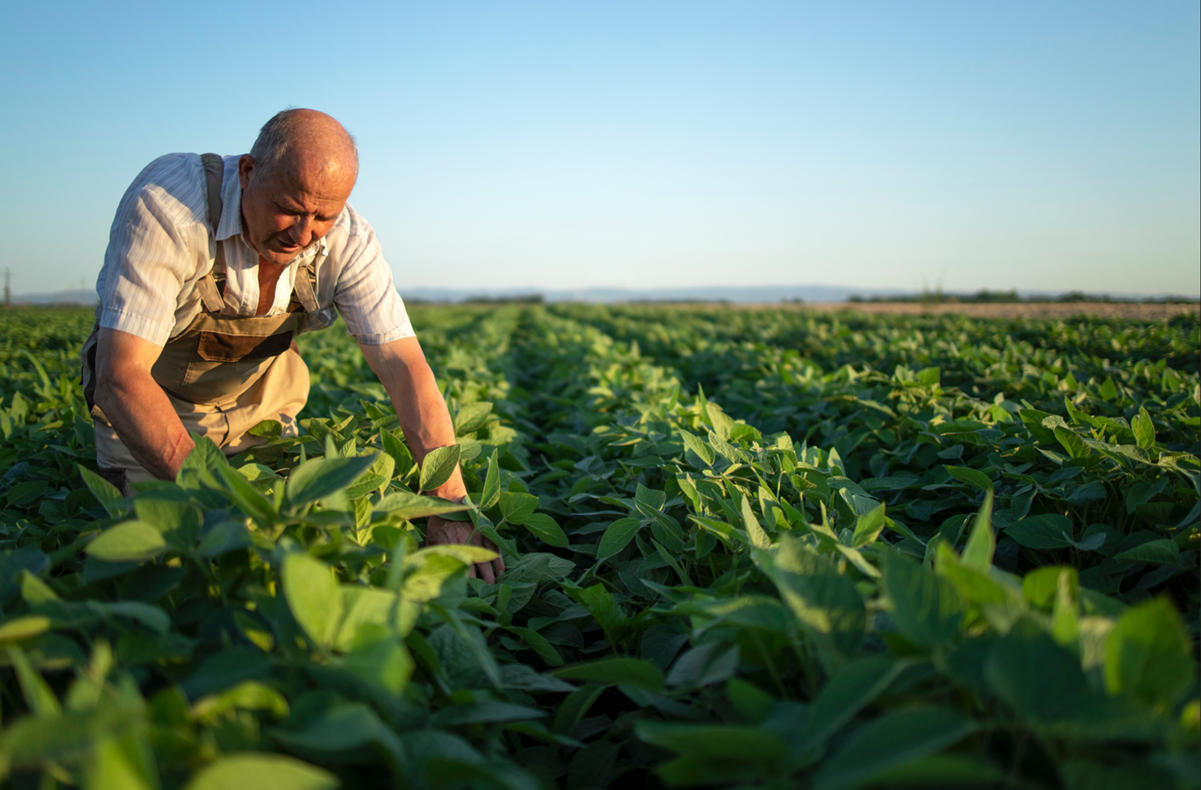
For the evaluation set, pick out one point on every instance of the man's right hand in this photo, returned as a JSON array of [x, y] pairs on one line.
[[439, 532], [136, 405]]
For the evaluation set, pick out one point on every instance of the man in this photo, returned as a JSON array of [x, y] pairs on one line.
[[213, 266]]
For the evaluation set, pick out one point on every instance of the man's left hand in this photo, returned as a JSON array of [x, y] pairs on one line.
[[440, 532]]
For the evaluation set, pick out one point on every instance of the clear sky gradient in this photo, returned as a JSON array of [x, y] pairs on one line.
[[568, 145]]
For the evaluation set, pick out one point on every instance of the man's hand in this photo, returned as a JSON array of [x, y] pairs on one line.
[[440, 532], [402, 368]]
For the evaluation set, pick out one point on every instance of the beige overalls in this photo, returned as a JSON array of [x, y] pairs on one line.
[[225, 373]]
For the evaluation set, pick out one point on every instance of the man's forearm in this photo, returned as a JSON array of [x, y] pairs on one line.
[[419, 405], [142, 415], [427, 426]]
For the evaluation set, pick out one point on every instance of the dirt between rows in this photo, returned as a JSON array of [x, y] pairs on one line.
[[1045, 310]]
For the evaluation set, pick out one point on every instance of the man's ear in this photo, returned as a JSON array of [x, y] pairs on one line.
[[245, 168]]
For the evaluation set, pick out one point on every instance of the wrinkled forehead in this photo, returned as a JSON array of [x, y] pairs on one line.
[[312, 177]]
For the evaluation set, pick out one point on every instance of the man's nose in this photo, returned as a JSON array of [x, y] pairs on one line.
[[302, 230]]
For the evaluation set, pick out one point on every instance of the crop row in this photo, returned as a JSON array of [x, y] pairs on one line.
[[748, 548]]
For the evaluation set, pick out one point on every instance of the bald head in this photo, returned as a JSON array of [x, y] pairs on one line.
[[295, 183], [305, 141]]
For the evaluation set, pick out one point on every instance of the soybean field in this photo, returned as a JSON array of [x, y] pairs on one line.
[[762, 548]]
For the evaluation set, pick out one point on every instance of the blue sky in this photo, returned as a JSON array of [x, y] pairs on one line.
[[568, 145]]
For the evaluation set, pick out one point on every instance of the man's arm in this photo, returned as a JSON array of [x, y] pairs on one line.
[[410, 383], [136, 405]]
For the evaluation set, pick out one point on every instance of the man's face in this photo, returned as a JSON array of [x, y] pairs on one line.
[[291, 208]]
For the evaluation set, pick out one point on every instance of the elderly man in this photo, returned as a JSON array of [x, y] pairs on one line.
[[214, 265]]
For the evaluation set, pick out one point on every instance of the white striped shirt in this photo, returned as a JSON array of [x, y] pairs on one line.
[[160, 245]]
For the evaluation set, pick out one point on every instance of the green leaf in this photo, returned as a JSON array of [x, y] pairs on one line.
[[712, 741], [363, 606], [23, 628], [223, 538], [38, 697], [713, 662], [131, 541], [1148, 655], [1160, 552], [262, 772], [617, 536], [313, 596], [943, 770], [758, 537], [267, 429], [1046, 531], [825, 602], [972, 477], [246, 497], [180, 522], [540, 645], [35, 741], [547, 530], [411, 506], [892, 741], [868, 527], [339, 729], [1144, 429], [1143, 491], [396, 448], [471, 417], [491, 493], [975, 587], [613, 671], [250, 695], [438, 465], [981, 543], [1034, 676], [517, 508], [851, 690], [152, 617], [484, 712], [379, 659], [465, 554], [926, 607], [322, 477], [698, 446], [205, 456], [105, 492], [225, 669], [1071, 442], [1040, 585], [751, 702], [575, 705]]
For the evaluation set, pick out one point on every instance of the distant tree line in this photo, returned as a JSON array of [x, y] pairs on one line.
[[986, 296]]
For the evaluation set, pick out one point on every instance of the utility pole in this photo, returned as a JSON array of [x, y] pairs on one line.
[[8, 291]]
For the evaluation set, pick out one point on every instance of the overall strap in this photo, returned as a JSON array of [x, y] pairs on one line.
[[214, 169], [304, 288]]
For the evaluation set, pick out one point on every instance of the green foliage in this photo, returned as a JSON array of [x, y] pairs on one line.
[[747, 548]]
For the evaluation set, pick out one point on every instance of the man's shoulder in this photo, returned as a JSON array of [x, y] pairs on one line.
[[175, 184], [352, 223]]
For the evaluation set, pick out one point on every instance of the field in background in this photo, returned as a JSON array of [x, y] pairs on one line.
[[1129, 311], [762, 547]]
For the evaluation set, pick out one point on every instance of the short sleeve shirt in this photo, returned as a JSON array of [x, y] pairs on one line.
[[161, 245]]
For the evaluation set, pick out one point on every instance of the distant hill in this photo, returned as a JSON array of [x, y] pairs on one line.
[[764, 294], [734, 294], [87, 297]]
